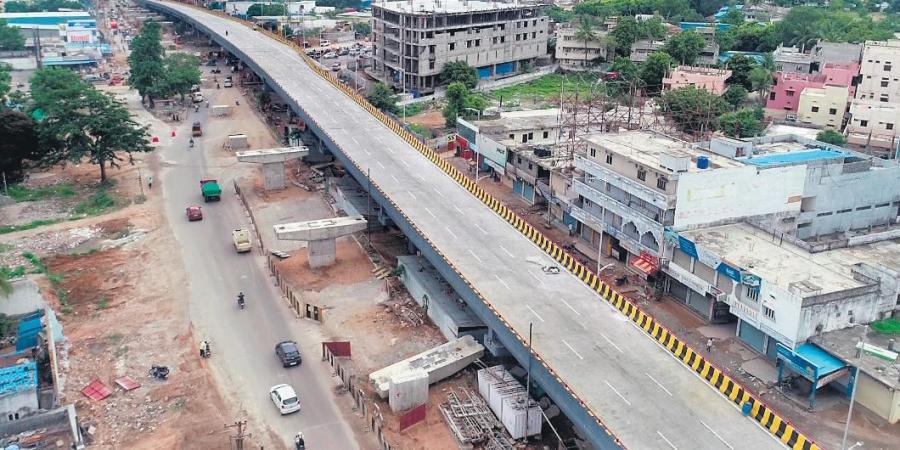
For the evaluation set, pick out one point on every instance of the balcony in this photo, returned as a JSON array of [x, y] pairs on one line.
[[643, 222], [658, 199], [628, 242]]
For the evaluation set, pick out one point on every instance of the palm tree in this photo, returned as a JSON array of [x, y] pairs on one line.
[[585, 33]]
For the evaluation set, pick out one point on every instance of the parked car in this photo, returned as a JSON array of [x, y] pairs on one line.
[[288, 353], [329, 55], [324, 43], [194, 213], [284, 398], [343, 52], [336, 66]]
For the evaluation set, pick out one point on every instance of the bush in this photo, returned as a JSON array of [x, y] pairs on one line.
[[97, 204]]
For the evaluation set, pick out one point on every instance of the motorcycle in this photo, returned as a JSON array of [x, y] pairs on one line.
[[159, 372], [240, 301], [299, 442], [205, 351], [191, 143]]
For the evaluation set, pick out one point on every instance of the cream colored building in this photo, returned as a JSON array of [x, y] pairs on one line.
[[873, 126], [823, 107], [574, 54], [880, 72], [707, 78]]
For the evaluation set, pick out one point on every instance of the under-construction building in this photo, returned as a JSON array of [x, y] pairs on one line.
[[414, 39]]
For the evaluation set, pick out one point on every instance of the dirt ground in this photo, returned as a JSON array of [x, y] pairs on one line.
[[431, 119]]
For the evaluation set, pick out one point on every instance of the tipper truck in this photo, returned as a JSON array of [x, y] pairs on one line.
[[210, 190], [241, 239]]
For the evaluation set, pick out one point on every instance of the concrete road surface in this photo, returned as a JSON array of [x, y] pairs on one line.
[[243, 341]]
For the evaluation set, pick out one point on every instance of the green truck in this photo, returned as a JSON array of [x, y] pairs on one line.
[[210, 190]]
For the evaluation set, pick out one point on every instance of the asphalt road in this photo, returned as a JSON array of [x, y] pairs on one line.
[[243, 341], [645, 396]]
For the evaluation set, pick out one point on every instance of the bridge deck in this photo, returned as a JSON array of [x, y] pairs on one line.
[[646, 397]]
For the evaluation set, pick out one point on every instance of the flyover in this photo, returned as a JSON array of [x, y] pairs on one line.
[[619, 388]]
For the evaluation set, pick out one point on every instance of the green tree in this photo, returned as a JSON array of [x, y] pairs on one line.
[[260, 9], [92, 127], [42, 5], [743, 123], [560, 15], [735, 95], [685, 47], [146, 62], [5, 80], [761, 82], [831, 137], [707, 7], [456, 102], [749, 37], [654, 70], [461, 72], [182, 71], [56, 88], [585, 33], [362, 28], [18, 143], [383, 98], [740, 67], [10, 38], [692, 110], [628, 31], [733, 17]]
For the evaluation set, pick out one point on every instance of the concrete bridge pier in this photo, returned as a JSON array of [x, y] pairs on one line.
[[321, 235], [272, 160]]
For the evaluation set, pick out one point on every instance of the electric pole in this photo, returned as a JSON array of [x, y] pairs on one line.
[[241, 426]]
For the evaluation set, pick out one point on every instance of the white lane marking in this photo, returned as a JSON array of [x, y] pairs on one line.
[[658, 383], [570, 307], [476, 257], [429, 212], [506, 251], [395, 178], [451, 232], [502, 282], [535, 313], [421, 178], [437, 191], [573, 350], [480, 229], [536, 278], [618, 393], [667, 441], [612, 343], [367, 152], [405, 163], [717, 435], [354, 140], [411, 194], [381, 165], [457, 209]]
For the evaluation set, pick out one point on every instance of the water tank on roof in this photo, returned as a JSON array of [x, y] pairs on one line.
[[702, 162]]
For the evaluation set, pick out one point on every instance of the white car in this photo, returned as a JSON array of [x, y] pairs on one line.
[[285, 398], [329, 55]]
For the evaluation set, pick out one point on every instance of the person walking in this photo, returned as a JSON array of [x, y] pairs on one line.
[[709, 344], [150, 182]]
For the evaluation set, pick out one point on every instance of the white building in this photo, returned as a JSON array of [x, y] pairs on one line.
[[414, 39], [880, 72], [874, 112], [575, 54]]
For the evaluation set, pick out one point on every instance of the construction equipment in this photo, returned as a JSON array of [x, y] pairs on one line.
[[241, 238]]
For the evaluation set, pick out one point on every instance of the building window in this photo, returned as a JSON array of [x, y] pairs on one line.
[[772, 95], [593, 153], [609, 158], [887, 67], [889, 126], [529, 166], [863, 123], [661, 183], [642, 174], [769, 312], [468, 44], [832, 111], [753, 293], [815, 109], [452, 46], [512, 136], [789, 93], [546, 134], [530, 136], [884, 83], [883, 98]]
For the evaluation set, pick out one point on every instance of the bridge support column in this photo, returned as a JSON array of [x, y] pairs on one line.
[[272, 160], [321, 235]]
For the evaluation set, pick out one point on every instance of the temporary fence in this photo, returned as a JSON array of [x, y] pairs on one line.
[[711, 373]]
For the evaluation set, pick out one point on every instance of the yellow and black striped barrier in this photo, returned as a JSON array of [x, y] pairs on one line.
[[730, 389]]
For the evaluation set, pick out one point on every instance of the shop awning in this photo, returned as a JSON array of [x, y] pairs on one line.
[[643, 266]]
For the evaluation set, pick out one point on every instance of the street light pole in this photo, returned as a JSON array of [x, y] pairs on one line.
[[859, 353]]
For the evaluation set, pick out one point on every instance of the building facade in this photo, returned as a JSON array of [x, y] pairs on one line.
[[706, 78], [575, 54], [880, 70], [873, 127], [413, 40], [824, 107], [788, 87]]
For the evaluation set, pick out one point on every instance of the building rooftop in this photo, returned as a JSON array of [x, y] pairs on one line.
[[776, 261], [794, 157], [842, 344], [646, 148], [18, 378], [792, 54], [448, 6], [520, 120]]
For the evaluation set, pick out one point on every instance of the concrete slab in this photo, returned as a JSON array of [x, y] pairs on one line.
[[762, 369], [723, 331], [25, 298], [320, 236], [272, 160]]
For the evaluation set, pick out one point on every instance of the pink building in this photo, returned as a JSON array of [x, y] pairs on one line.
[[710, 79], [787, 87]]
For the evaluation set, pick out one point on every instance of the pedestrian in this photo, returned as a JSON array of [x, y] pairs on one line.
[[150, 181], [571, 229], [709, 344]]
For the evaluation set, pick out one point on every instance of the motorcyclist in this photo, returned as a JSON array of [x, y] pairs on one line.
[[241, 299], [204, 349], [299, 442], [191, 142]]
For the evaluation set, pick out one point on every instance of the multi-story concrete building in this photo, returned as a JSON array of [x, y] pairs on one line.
[[412, 40], [706, 78], [642, 49], [575, 54], [873, 127], [788, 87], [880, 71], [824, 107], [793, 60]]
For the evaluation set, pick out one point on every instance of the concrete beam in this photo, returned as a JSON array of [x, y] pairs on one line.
[[321, 235], [272, 160]]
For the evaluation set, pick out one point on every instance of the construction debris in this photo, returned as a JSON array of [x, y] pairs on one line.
[[469, 417]]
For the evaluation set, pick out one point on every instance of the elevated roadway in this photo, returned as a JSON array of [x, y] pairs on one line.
[[621, 388]]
